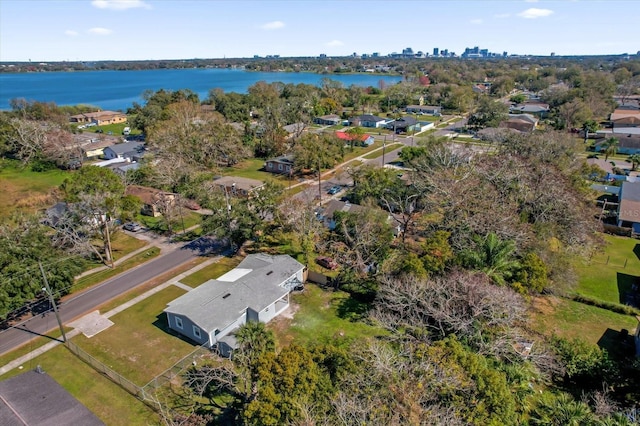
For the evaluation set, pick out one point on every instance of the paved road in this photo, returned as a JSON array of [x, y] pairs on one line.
[[88, 301]]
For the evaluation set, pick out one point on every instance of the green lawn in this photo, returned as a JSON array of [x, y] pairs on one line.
[[378, 154], [95, 278], [112, 404], [23, 189], [158, 224], [211, 272], [323, 316], [571, 319], [138, 345], [611, 271]]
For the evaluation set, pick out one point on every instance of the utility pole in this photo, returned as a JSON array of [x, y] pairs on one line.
[[319, 183], [47, 290], [384, 145]]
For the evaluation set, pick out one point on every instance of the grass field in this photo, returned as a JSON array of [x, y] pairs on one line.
[[322, 316], [112, 404], [138, 345], [25, 190], [611, 272], [378, 154], [571, 319]]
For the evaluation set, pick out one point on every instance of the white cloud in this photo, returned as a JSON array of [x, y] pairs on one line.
[[275, 25], [99, 31], [334, 43], [534, 13], [502, 15], [476, 21], [71, 33], [120, 4]]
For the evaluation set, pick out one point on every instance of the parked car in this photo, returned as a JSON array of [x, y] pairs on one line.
[[326, 262], [334, 190], [132, 226]]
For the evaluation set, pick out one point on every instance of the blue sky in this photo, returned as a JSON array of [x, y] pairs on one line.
[[55, 30]]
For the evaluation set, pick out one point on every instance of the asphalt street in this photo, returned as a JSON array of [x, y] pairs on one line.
[[89, 300]]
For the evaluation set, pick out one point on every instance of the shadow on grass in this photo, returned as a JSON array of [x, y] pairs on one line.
[[628, 289], [619, 344], [352, 309], [162, 323], [636, 251]]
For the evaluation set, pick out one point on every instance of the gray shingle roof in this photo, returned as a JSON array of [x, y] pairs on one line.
[[123, 148], [218, 303], [36, 399]]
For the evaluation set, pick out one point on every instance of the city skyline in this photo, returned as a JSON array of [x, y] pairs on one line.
[[92, 30]]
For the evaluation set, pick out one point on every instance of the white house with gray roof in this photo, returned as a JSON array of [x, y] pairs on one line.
[[256, 290], [132, 150]]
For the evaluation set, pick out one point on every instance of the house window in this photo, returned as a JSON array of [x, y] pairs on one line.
[[196, 331], [288, 168], [270, 165], [179, 323], [279, 166]]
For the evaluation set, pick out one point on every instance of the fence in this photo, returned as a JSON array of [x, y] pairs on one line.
[[176, 369], [112, 375]]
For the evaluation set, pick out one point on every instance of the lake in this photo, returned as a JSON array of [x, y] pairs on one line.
[[118, 90]]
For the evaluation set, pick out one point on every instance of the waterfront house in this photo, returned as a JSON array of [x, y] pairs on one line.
[[100, 118]]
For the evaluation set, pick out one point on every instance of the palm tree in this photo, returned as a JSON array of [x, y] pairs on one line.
[[559, 410], [254, 340], [635, 160], [493, 256], [610, 147]]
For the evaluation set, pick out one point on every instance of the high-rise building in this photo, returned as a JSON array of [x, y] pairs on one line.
[[436, 51]]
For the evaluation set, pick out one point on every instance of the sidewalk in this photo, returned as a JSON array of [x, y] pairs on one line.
[[163, 243], [76, 331]]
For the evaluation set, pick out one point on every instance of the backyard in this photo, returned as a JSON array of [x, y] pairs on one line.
[[606, 277]]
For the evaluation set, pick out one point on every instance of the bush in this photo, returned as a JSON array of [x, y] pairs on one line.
[[614, 307]]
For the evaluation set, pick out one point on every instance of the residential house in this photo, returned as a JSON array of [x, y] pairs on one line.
[[364, 139], [625, 117], [629, 206], [627, 143], [406, 124], [256, 290], [368, 120], [238, 186], [524, 123], [537, 109], [35, 398], [154, 201], [325, 213], [328, 120], [131, 150], [123, 167], [424, 109], [281, 165], [101, 118], [294, 130]]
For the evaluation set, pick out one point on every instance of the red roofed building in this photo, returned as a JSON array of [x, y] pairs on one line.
[[365, 140]]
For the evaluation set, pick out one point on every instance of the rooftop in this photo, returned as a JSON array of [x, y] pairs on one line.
[[255, 284]]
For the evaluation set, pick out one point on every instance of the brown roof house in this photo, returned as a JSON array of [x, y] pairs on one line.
[[238, 186], [625, 118], [154, 201], [524, 123], [281, 165], [101, 118]]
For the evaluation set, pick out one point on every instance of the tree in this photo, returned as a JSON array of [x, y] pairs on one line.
[[610, 147], [492, 256], [635, 161], [560, 410], [95, 195], [355, 136], [313, 151], [489, 113], [23, 243]]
